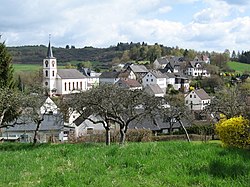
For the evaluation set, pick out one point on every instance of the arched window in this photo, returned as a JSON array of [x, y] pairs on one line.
[[46, 73], [53, 63], [69, 86], [46, 83], [53, 73], [73, 85], [46, 63], [65, 86]]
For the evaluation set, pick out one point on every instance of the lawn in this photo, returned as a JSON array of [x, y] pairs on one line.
[[239, 67], [134, 164]]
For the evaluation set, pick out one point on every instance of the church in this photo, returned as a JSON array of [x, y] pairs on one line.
[[61, 81]]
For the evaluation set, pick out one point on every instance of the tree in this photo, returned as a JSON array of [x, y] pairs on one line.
[[174, 111], [10, 107], [6, 68], [115, 105], [229, 102]]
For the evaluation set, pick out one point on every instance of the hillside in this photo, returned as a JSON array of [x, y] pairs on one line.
[[35, 54], [239, 67]]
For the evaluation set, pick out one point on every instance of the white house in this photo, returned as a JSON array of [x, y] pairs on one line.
[[155, 77], [196, 68], [85, 126], [197, 99], [92, 77], [61, 81], [52, 127]]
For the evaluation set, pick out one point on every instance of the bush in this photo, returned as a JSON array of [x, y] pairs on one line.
[[234, 132]]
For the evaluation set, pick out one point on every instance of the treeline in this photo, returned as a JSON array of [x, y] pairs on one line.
[[35, 54], [121, 53], [243, 57]]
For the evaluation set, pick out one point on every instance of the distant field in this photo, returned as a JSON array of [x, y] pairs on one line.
[[239, 67], [28, 67], [163, 164]]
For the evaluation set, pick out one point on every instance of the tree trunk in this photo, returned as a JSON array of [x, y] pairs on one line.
[[123, 136], [184, 130], [35, 139], [107, 136]]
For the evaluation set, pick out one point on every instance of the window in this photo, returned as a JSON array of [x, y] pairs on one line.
[[65, 86], [53, 63], [53, 73], [190, 96], [46, 83], [73, 85], [151, 80], [81, 85], [194, 96], [77, 85], [69, 86], [46, 63], [186, 101], [46, 73], [147, 80]]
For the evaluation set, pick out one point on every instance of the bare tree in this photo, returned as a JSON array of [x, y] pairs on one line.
[[10, 107], [114, 105]]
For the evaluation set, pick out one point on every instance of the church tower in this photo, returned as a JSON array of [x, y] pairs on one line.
[[50, 72]]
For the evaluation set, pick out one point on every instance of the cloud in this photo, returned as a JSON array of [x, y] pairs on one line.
[[216, 25], [165, 9]]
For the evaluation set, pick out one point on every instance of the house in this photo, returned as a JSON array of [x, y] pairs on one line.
[[157, 125], [114, 76], [154, 90], [92, 77], [85, 126], [197, 100], [52, 128], [181, 83], [109, 77], [61, 81], [139, 70], [196, 69], [155, 77], [160, 63], [130, 84]]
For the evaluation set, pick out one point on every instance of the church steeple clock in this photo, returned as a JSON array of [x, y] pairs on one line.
[[50, 72]]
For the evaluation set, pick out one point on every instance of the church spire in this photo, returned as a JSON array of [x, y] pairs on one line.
[[49, 52]]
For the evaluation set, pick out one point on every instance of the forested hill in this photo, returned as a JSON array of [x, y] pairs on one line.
[[35, 54]]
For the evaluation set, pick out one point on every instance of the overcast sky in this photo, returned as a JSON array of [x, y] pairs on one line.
[[213, 25]]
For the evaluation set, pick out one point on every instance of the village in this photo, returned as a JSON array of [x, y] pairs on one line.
[[166, 76]]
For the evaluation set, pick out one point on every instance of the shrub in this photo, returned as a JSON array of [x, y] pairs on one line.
[[234, 132]]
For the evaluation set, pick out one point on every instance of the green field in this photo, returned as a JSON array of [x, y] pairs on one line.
[[134, 164], [239, 67], [26, 67]]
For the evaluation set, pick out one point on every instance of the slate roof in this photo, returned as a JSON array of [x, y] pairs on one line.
[[157, 74], [162, 60], [70, 74], [148, 123], [154, 88], [202, 94], [49, 52], [138, 68], [129, 83], [50, 122], [112, 74]]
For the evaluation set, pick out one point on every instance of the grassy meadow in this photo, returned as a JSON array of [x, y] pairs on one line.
[[134, 164], [239, 67]]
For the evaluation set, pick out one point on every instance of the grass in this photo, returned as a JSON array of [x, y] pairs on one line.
[[134, 164], [239, 67], [26, 67]]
